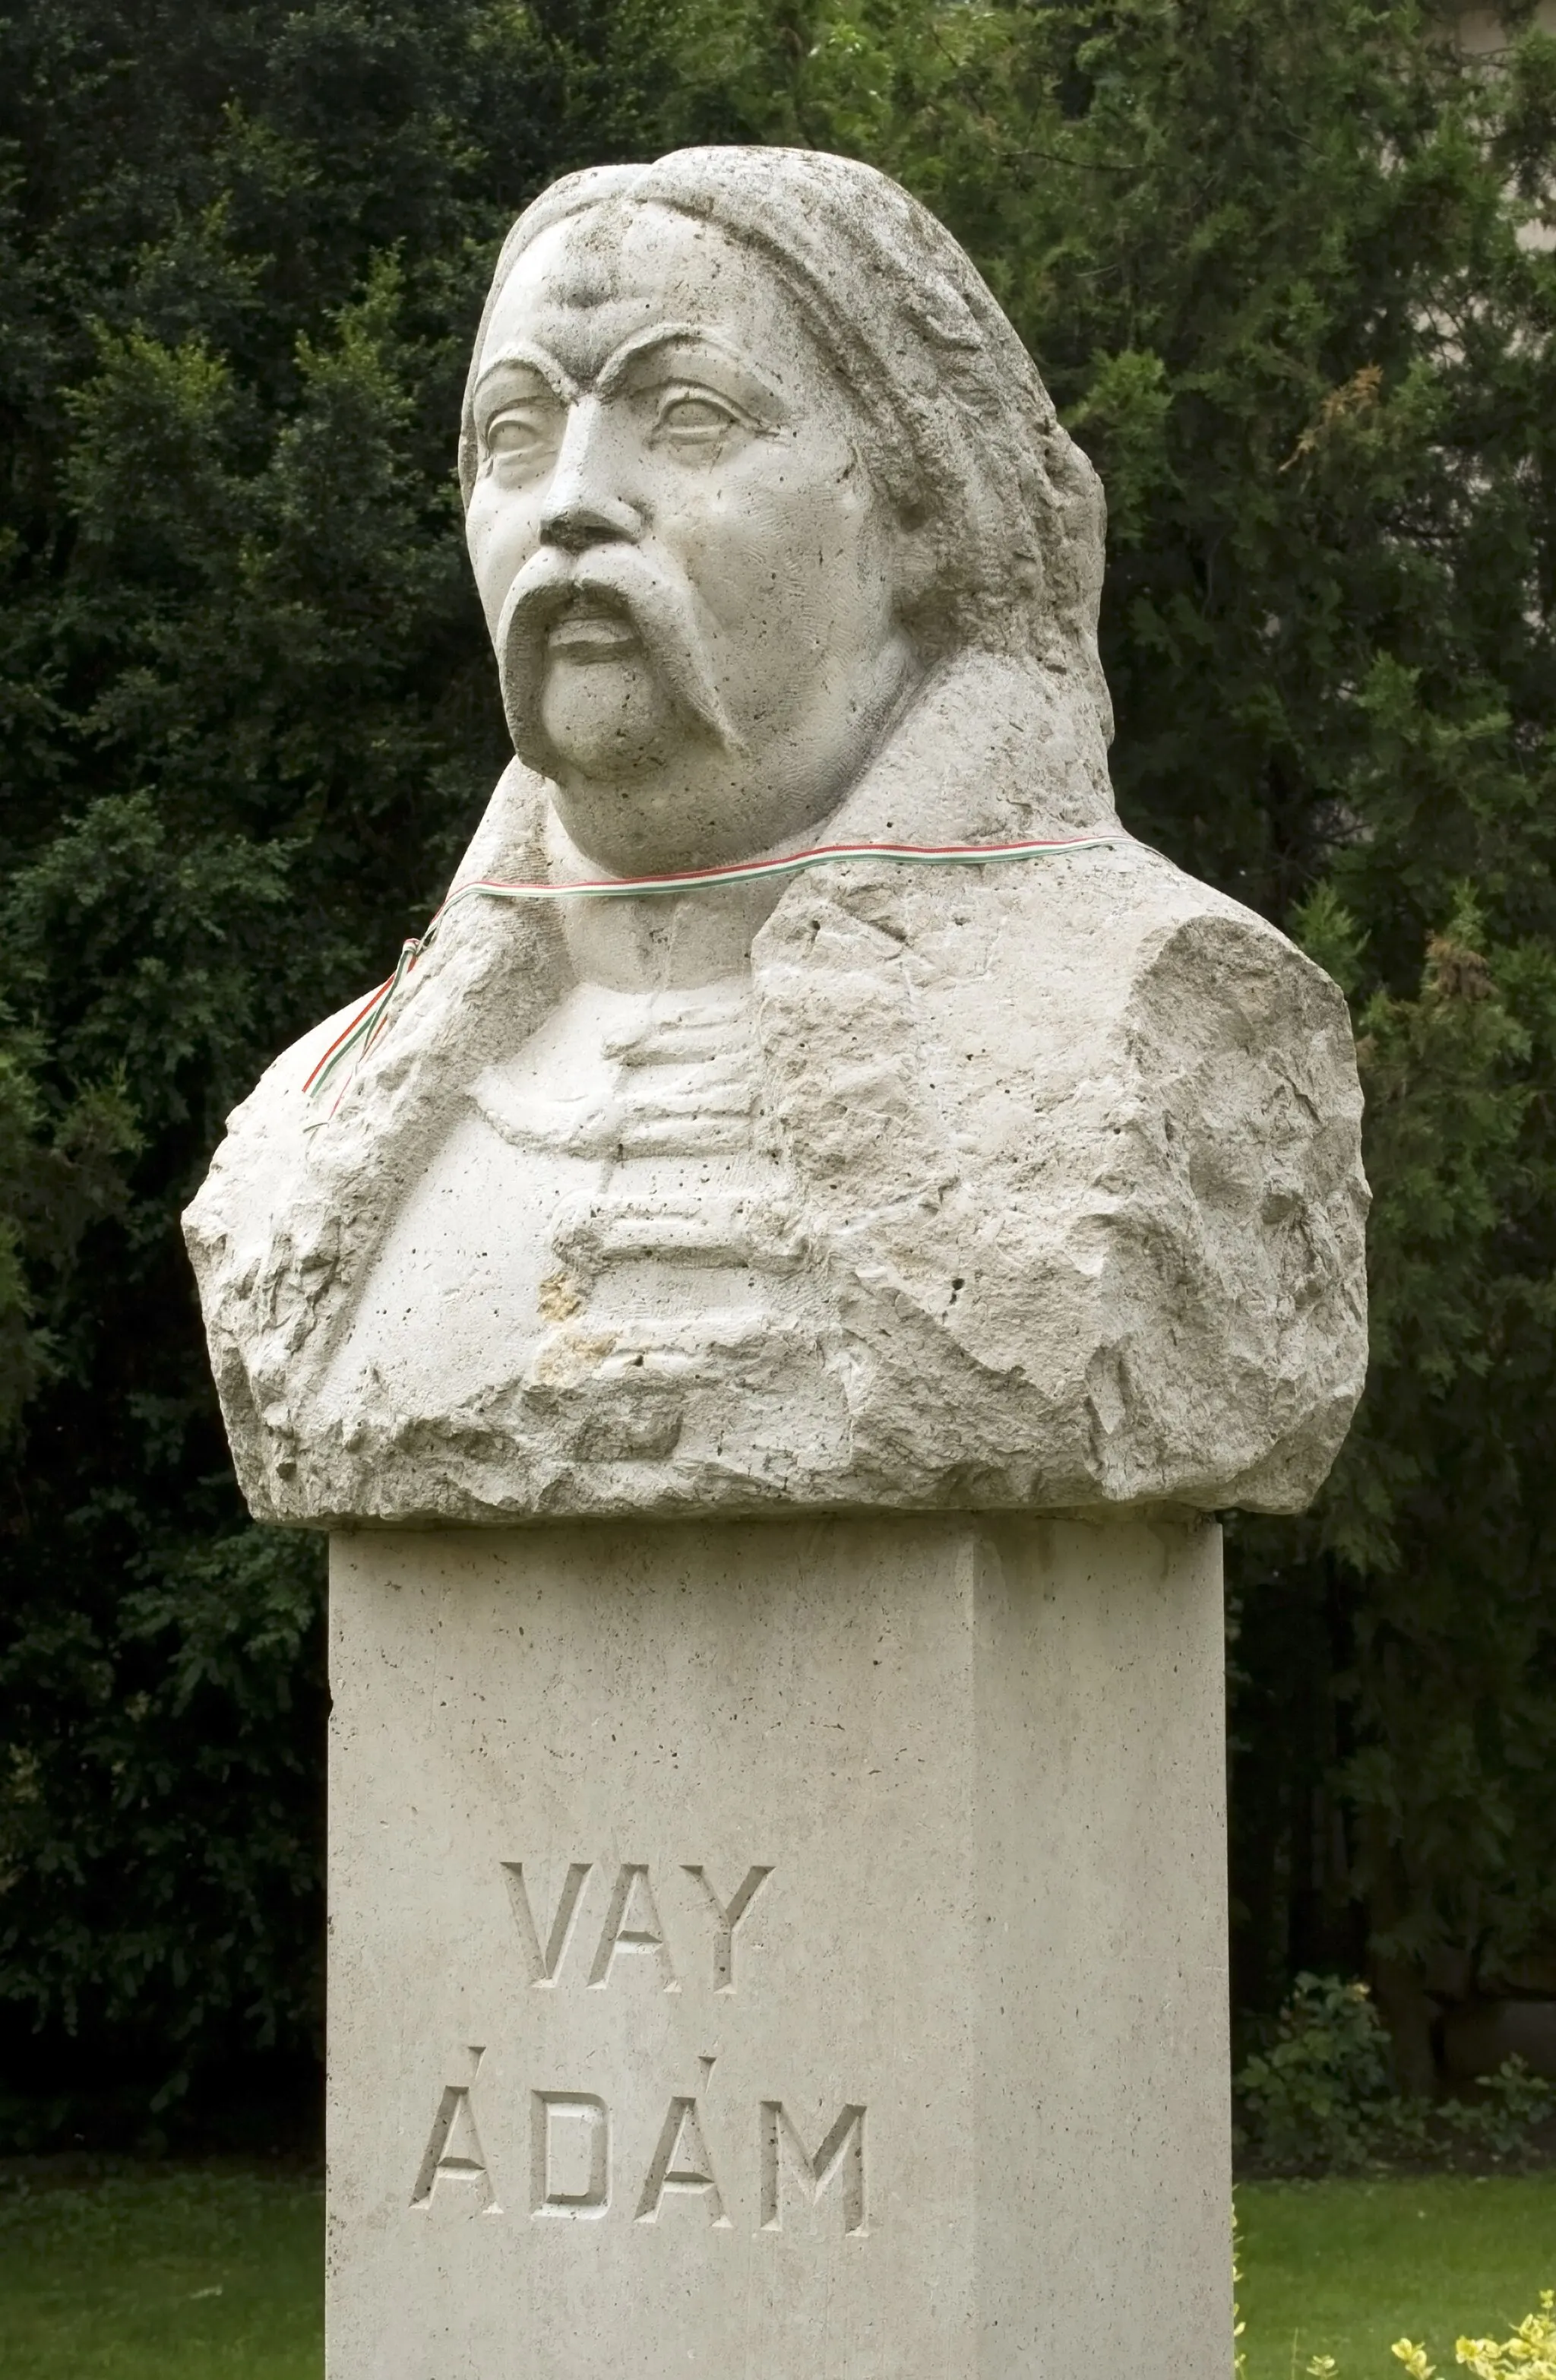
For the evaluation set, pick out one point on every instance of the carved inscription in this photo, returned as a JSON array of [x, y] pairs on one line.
[[681, 2162], [543, 1963], [571, 2162], [454, 2153], [727, 1917], [631, 1925], [840, 2158], [583, 2122], [694, 2165]]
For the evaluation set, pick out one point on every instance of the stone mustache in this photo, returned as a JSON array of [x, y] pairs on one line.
[[1031, 1184]]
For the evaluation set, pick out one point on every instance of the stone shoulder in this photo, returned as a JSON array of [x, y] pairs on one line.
[[1091, 1132], [265, 1140], [1024, 988]]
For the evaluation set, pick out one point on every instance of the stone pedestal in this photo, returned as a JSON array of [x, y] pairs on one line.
[[790, 1947]]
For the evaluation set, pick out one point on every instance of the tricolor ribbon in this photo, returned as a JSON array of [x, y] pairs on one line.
[[353, 1043]]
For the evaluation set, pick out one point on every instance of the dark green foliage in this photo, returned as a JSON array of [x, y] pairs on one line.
[[1286, 264], [1311, 2100], [244, 724], [1275, 260], [1320, 2096]]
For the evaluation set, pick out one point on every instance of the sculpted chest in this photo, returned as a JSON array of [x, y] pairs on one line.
[[605, 1257], [1004, 1194]]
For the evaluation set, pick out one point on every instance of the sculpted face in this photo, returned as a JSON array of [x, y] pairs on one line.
[[689, 577]]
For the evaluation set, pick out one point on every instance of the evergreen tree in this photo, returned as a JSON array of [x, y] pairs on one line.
[[1286, 271], [246, 721], [1287, 267]]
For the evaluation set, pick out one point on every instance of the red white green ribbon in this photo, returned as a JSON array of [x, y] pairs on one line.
[[351, 1045]]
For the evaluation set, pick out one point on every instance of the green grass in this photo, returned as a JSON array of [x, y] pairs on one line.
[[188, 2273], [1344, 2268], [167, 2275]]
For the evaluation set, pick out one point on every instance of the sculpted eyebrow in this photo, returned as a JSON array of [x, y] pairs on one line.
[[696, 346], [507, 373]]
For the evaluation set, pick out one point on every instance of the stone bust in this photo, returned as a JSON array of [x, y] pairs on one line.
[[1028, 1184]]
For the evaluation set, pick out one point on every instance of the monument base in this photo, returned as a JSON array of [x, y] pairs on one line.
[[784, 1946]]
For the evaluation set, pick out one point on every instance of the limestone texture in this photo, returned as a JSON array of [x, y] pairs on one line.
[[792, 1947], [777, 1891], [1027, 1184]]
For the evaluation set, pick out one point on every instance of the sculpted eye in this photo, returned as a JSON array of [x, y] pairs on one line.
[[693, 419], [521, 434]]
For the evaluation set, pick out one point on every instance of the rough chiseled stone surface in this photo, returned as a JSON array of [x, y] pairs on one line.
[[1031, 1184]]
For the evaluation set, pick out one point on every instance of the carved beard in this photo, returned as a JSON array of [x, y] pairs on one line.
[[655, 603]]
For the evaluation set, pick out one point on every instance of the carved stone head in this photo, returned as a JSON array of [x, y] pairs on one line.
[[746, 447]]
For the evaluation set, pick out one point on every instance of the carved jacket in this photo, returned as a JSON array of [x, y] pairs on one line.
[[1033, 1184]]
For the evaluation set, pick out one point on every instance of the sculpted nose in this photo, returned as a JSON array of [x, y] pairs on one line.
[[580, 521], [584, 504]]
